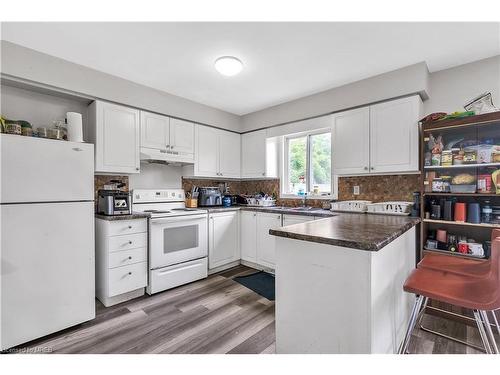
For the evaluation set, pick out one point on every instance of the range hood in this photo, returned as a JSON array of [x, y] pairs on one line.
[[164, 157]]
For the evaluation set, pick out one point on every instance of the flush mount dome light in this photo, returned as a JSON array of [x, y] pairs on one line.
[[228, 65]]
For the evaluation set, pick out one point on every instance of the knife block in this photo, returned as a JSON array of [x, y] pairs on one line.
[[191, 203]]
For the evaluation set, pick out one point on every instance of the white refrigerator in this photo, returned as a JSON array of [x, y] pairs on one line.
[[47, 237]]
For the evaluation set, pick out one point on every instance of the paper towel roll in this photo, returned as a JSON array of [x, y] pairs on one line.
[[75, 128]]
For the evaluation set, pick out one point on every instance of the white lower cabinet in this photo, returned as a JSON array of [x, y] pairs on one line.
[[248, 235], [257, 245], [266, 249], [121, 259], [224, 239]]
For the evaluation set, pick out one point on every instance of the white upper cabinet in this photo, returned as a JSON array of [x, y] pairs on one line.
[[217, 153], [351, 134], [254, 154], [394, 135], [207, 151], [379, 139], [181, 136], [229, 154], [172, 137], [154, 131], [115, 133]]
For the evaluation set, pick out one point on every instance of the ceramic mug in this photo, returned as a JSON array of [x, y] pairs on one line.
[[476, 249]]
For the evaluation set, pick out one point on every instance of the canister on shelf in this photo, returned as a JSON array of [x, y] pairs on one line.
[[446, 158], [436, 159], [470, 156], [484, 183], [12, 127], [460, 212]]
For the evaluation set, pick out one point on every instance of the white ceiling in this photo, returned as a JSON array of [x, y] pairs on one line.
[[282, 61]]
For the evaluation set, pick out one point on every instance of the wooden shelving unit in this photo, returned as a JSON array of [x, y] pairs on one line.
[[446, 252], [461, 166], [461, 194], [481, 124], [461, 223]]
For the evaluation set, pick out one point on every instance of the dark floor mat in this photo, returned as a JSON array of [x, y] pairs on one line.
[[260, 282]]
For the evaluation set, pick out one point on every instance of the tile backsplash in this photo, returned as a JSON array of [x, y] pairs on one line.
[[374, 188], [379, 188]]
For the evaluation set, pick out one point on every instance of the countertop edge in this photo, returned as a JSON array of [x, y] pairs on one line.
[[357, 245], [132, 216]]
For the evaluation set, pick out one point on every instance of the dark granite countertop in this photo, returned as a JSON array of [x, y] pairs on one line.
[[133, 215], [358, 231], [273, 209]]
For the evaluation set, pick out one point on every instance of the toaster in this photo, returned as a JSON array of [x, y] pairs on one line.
[[113, 202], [210, 196]]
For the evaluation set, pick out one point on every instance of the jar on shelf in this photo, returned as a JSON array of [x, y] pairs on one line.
[[486, 213], [446, 158]]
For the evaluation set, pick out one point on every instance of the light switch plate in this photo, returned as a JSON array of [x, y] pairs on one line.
[[355, 190]]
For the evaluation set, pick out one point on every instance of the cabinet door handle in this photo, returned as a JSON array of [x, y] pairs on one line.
[[77, 149], [130, 242], [168, 146], [172, 147], [130, 258], [137, 168], [263, 173], [372, 168], [130, 273], [130, 227], [365, 168]]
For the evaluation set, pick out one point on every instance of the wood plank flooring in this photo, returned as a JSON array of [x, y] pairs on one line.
[[215, 315]]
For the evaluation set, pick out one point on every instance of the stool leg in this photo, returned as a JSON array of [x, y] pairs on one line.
[[482, 332], [496, 320], [489, 331], [411, 324], [422, 311]]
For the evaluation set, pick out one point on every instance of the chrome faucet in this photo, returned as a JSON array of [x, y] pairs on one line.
[[304, 200]]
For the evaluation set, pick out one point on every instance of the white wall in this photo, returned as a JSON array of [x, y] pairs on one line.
[[38, 109], [156, 176], [27, 64], [405, 81], [450, 89]]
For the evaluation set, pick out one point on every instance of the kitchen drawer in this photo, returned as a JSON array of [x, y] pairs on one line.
[[178, 274], [127, 242], [120, 227], [126, 257], [127, 278]]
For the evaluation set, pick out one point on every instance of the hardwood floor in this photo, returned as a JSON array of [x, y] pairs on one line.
[[215, 315]]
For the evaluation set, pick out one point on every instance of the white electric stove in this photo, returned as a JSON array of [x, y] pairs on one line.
[[178, 238]]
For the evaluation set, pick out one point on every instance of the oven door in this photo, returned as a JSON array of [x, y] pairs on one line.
[[177, 239]]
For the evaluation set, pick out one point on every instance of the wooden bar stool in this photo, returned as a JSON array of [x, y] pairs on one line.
[[460, 266], [479, 294]]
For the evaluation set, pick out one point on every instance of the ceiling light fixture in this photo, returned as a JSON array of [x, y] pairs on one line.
[[228, 65]]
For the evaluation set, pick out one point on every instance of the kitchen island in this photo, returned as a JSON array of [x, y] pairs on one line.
[[339, 284]]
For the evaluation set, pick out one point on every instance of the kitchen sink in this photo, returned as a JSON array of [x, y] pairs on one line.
[[305, 209]]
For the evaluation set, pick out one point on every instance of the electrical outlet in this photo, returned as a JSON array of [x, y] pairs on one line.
[[355, 190]]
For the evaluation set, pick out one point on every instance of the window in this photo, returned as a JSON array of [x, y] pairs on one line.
[[308, 164]]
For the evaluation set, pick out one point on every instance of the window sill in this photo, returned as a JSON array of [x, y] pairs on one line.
[[309, 197]]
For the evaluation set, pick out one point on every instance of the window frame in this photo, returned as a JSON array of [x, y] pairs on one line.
[[285, 166]]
